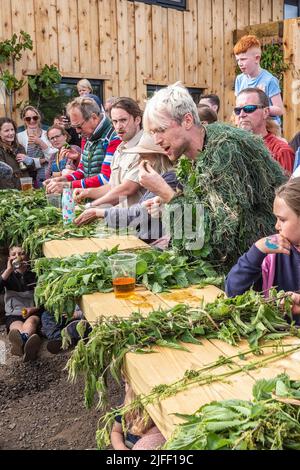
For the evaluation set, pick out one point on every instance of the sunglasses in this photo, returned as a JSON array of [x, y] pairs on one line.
[[248, 109], [31, 118]]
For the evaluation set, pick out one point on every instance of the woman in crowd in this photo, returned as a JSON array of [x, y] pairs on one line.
[[66, 158], [34, 140], [12, 153]]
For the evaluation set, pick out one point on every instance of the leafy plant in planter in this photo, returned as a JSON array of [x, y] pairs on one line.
[[10, 53], [42, 84], [272, 60]]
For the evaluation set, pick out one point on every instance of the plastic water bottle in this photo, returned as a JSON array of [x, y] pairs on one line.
[[68, 206]]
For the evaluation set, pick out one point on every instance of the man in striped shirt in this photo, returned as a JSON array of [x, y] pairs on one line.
[[94, 169]]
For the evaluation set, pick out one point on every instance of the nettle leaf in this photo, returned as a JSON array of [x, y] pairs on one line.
[[141, 267], [156, 287], [281, 389], [170, 344], [188, 338], [215, 442], [72, 281], [86, 278], [263, 389], [218, 426]]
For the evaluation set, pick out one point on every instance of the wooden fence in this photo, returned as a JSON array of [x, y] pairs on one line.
[[131, 44], [291, 88]]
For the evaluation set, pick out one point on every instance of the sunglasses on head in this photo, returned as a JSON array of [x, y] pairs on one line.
[[248, 109], [31, 118]]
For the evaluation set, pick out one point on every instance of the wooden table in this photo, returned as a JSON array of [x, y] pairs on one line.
[[95, 305], [166, 366], [72, 246]]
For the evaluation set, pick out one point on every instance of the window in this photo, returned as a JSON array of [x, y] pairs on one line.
[[194, 92], [291, 9], [67, 91], [178, 4]]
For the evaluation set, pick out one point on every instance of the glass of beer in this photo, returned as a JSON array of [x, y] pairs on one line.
[[26, 183], [123, 268]]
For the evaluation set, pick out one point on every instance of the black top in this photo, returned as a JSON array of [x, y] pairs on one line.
[[19, 282]]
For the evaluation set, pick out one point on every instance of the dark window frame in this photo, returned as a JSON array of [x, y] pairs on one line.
[[67, 81], [295, 3], [178, 5], [195, 92]]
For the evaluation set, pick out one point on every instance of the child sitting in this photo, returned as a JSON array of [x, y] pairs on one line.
[[248, 53], [274, 260], [53, 330], [140, 433], [22, 317]]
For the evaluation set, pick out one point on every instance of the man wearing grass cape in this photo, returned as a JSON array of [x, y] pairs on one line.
[[226, 171]]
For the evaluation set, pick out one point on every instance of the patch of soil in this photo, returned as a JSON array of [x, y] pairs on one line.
[[40, 408]]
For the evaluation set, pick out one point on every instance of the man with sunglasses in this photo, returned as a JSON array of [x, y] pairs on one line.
[[252, 112], [94, 169]]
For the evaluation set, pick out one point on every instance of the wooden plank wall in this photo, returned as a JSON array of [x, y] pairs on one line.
[[130, 44], [291, 92]]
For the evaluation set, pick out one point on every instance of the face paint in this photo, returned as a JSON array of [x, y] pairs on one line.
[[271, 243]]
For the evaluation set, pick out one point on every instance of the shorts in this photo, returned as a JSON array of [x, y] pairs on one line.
[[9, 319]]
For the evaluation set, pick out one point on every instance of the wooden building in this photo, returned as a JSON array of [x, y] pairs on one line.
[[133, 46]]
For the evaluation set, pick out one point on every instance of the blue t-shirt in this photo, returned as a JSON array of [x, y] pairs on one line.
[[265, 81]]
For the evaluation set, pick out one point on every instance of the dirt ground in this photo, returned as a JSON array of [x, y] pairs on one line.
[[40, 408]]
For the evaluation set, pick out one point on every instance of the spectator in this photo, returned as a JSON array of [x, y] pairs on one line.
[[274, 260], [139, 432], [211, 100], [67, 157], [11, 153], [64, 121], [35, 142], [206, 114], [55, 332], [295, 142], [84, 87], [108, 104], [102, 141], [22, 317], [248, 53], [252, 111]]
